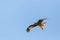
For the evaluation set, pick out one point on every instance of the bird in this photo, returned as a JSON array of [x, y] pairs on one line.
[[39, 23]]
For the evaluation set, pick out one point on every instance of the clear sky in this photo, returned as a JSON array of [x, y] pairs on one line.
[[17, 15]]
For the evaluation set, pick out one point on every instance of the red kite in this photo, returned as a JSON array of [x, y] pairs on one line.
[[39, 23]]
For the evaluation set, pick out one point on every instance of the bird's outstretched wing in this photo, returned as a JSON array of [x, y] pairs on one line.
[[31, 26], [41, 20]]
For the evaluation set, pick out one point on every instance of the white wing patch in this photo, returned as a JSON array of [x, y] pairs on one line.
[[30, 27]]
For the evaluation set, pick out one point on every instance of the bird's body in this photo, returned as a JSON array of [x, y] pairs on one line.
[[39, 23]]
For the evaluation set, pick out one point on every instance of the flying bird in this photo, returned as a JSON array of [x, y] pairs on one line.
[[39, 23]]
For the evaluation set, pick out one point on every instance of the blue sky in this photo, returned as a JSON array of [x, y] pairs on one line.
[[17, 15]]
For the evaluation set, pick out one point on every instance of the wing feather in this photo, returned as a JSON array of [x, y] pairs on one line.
[[31, 26]]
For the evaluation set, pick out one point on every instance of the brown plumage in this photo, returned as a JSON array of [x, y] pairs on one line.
[[39, 23]]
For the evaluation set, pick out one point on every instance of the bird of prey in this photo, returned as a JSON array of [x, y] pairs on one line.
[[39, 23]]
